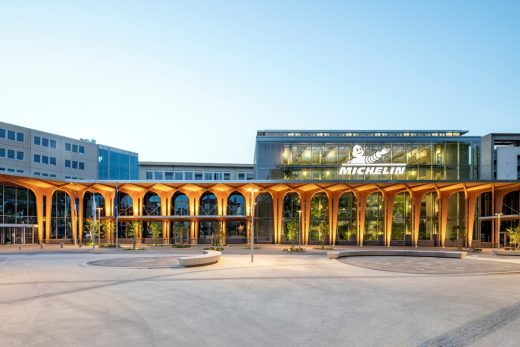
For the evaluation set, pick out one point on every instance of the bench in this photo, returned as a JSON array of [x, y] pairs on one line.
[[206, 258], [396, 252]]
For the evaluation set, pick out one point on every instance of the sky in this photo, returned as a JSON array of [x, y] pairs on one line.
[[194, 80]]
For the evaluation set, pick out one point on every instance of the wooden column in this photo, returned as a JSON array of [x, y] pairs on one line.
[[39, 213], [443, 212], [362, 202], [389, 215], [416, 208]]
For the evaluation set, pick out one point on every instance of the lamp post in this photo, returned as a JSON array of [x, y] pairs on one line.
[[498, 218], [252, 223]]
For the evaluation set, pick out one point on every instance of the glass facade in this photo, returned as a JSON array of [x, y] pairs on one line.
[[114, 164], [236, 230], [17, 205], [61, 222], [367, 157]]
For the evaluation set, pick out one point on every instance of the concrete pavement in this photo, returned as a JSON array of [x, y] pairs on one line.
[[58, 299]]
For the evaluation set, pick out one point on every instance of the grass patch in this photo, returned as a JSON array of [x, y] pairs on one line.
[[108, 245], [213, 248], [294, 250], [181, 246]]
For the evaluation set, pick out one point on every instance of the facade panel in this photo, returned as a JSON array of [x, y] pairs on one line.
[[366, 156]]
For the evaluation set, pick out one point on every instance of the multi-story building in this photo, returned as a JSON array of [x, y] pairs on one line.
[[335, 155], [31, 152], [407, 188], [159, 171], [500, 156]]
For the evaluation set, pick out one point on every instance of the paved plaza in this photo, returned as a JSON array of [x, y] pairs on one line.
[[83, 297]]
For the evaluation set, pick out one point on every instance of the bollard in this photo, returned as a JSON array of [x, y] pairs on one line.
[[61, 245], [41, 245], [19, 247]]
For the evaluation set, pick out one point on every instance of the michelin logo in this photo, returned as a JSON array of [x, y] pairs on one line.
[[362, 164]]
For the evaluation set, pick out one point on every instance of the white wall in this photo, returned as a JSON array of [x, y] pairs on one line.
[[507, 163]]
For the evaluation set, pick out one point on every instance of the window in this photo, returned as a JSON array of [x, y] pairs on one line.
[[45, 159], [168, 175], [19, 171], [67, 147], [67, 163], [81, 165], [250, 176], [45, 142], [37, 140], [178, 175], [227, 176], [2, 133], [188, 176], [2, 152], [74, 164], [36, 174], [10, 135], [45, 174], [218, 176], [75, 148], [19, 155], [36, 158], [52, 160], [82, 149], [208, 176], [10, 154], [10, 170], [241, 175], [2, 168], [198, 176], [158, 175], [53, 144], [53, 175], [20, 137], [149, 175]]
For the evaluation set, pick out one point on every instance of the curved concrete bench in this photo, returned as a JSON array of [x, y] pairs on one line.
[[207, 258], [396, 252]]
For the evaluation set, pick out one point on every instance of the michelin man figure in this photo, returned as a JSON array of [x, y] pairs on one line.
[[359, 157]]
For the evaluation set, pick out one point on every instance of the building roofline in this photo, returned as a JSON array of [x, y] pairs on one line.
[[164, 163], [360, 133]]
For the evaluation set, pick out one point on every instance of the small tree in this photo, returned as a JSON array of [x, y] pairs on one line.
[[107, 229], [218, 235], [156, 231], [323, 229], [514, 237], [293, 228], [134, 231], [92, 227], [178, 232]]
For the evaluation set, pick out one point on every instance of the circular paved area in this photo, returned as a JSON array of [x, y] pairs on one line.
[[432, 266], [142, 262]]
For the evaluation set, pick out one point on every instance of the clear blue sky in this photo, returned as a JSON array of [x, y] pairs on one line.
[[194, 80]]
